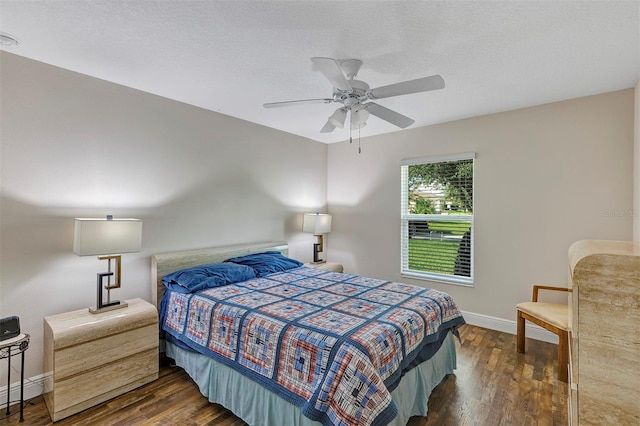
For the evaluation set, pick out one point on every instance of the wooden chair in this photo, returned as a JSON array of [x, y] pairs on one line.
[[550, 316]]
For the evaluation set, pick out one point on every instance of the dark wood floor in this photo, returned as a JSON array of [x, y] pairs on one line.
[[493, 386]]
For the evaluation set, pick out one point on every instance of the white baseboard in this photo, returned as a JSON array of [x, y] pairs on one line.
[[508, 326], [33, 386]]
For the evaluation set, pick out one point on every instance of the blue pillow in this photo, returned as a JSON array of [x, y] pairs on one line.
[[207, 276], [266, 263]]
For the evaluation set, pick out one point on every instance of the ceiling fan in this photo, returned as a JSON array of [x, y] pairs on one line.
[[355, 95]]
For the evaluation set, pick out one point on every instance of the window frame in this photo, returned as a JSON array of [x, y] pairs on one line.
[[406, 217]]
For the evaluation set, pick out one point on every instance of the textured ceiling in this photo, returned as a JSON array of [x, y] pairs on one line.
[[233, 56]]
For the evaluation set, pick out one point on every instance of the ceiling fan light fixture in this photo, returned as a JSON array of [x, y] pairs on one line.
[[355, 126], [338, 117], [359, 115]]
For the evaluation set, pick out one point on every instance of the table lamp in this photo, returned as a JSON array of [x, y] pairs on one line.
[[108, 238], [317, 224]]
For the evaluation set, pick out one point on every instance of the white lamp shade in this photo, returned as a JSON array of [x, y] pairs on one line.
[[107, 236], [316, 223], [338, 117], [359, 115], [355, 126]]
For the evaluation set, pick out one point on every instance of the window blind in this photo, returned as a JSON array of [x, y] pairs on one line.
[[437, 218]]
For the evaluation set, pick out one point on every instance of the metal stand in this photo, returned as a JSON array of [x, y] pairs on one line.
[[109, 305], [317, 248], [9, 348]]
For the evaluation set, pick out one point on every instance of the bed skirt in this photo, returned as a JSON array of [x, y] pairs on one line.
[[258, 406]]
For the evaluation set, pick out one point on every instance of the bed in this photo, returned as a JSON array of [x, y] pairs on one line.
[[302, 346]]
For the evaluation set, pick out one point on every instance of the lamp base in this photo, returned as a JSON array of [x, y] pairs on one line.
[[317, 248], [116, 304]]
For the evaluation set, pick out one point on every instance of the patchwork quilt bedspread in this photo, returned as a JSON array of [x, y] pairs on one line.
[[328, 342]]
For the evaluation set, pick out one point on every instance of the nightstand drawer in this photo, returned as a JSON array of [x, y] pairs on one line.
[[94, 354], [98, 382]]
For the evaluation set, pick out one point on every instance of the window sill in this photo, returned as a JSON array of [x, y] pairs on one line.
[[461, 281]]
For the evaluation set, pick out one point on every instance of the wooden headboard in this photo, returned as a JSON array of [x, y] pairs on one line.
[[166, 263]]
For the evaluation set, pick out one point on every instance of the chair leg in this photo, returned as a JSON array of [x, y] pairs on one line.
[[563, 356], [520, 333]]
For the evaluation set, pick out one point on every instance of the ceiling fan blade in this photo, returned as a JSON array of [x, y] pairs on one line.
[[327, 128], [389, 115], [424, 84], [302, 101], [332, 70]]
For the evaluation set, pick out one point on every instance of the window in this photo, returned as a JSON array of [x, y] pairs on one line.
[[437, 218]]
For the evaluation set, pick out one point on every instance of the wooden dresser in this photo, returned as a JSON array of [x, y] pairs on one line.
[[604, 361], [90, 358]]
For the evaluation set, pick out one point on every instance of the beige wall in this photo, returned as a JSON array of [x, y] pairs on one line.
[[75, 146], [545, 177]]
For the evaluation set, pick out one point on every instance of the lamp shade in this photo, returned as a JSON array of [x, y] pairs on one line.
[[359, 114], [355, 126], [338, 117], [316, 223], [107, 236]]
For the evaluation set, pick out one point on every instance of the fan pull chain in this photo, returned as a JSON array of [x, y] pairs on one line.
[[359, 149]]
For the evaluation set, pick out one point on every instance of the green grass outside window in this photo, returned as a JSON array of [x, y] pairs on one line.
[[435, 252]]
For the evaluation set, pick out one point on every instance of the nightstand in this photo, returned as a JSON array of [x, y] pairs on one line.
[[90, 358], [326, 266]]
